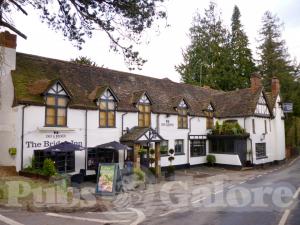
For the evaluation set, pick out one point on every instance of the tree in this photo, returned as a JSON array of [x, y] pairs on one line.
[[122, 21], [84, 60], [274, 59], [240, 52], [207, 61]]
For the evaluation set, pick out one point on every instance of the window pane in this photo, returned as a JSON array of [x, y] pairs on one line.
[[141, 108], [62, 102], [111, 119], [50, 100], [147, 108], [103, 119], [103, 105], [111, 105], [141, 120], [147, 120], [50, 116], [61, 117], [184, 122], [178, 146]]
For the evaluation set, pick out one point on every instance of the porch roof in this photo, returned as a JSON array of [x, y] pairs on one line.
[[141, 134]]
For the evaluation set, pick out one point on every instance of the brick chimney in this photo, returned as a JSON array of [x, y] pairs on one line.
[[255, 81], [275, 86], [8, 40]]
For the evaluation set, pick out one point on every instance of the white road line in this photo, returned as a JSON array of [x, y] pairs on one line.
[[199, 200], [86, 219], [231, 186], [218, 192], [252, 178], [259, 176], [170, 212], [140, 216], [296, 194], [284, 217], [242, 182], [9, 221], [112, 213], [293, 161]]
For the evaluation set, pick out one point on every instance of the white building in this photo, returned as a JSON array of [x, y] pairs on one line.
[[46, 101]]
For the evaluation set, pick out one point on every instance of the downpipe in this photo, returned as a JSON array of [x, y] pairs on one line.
[[22, 136]]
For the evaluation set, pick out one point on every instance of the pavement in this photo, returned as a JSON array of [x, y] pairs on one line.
[[204, 196]]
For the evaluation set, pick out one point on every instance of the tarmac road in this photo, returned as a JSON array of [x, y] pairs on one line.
[[267, 198]]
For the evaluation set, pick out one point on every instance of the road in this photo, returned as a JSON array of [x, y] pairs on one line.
[[270, 197]]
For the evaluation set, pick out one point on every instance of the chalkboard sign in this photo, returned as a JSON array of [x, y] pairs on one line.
[[108, 179]]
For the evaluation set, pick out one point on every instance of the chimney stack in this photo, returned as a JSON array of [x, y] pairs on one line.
[[275, 86], [255, 81], [8, 40]]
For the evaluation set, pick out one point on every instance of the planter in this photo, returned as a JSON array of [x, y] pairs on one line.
[[34, 175]]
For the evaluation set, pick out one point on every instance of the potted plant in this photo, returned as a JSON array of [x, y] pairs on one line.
[[152, 171], [211, 160], [170, 173]]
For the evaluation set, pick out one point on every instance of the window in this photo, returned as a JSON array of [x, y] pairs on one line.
[[209, 120], [107, 107], [260, 149], [56, 106], [222, 146], [198, 147], [164, 148], [182, 115], [179, 147], [144, 112], [266, 128], [253, 126], [262, 108]]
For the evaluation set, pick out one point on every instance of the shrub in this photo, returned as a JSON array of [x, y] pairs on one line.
[[139, 174], [152, 170], [170, 169], [211, 159], [49, 167], [152, 151], [12, 151]]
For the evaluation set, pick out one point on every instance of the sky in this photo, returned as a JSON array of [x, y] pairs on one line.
[[166, 46]]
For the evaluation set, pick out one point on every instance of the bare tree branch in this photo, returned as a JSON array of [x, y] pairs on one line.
[[4, 24]]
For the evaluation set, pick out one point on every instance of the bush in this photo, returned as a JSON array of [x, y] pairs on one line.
[[228, 128], [152, 151], [139, 174], [211, 159], [170, 169], [152, 170], [49, 167]]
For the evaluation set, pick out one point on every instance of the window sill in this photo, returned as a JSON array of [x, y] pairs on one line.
[[182, 128], [263, 157], [47, 129], [106, 127], [179, 153]]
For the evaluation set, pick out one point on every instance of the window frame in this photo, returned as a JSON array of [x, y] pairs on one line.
[[264, 154], [143, 113], [203, 151], [175, 144], [56, 107], [167, 146], [209, 120], [107, 111], [182, 114]]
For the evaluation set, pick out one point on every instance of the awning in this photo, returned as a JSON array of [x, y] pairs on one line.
[[64, 147], [114, 145]]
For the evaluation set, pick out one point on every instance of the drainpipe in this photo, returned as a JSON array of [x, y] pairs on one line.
[[157, 123], [85, 139], [251, 150], [22, 136], [188, 140], [123, 122]]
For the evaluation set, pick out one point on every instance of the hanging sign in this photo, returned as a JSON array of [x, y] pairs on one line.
[[287, 107], [108, 179]]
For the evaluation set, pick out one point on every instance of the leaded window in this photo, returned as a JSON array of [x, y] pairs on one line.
[[260, 149], [179, 147], [182, 115], [198, 147], [144, 115], [56, 106], [107, 107]]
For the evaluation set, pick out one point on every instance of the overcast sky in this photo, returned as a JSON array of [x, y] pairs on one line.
[[165, 49]]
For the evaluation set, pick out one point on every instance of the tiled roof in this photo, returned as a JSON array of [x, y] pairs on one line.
[[34, 74]]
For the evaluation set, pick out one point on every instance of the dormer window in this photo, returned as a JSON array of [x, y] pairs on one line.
[[107, 110], [182, 115], [56, 106], [261, 107], [144, 107]]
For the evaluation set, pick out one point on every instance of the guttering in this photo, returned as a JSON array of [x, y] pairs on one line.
[[188, 139], [22, 135], [85, 139], [122, 127]]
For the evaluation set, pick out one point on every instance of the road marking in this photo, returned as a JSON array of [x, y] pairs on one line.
[[115, 212], [231, 186], [170, 212], [218, 192], [86, 219], [252, 178], [296, 194], [293, 161], [284, 217], [242, 182], [9, 221], [199, 200], [140, 216], [259, 175]]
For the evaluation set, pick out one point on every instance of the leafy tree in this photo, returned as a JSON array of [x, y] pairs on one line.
[[84, 61], [273, 55], [241, 54], [123, 21], [207, 61]]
